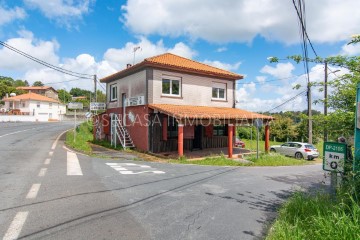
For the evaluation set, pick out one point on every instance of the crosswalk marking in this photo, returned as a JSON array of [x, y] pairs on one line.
[[133, 169]]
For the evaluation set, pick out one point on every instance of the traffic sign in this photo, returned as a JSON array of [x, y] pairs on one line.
[[97, 106], [75, 105], [334, 156], [258, 123]]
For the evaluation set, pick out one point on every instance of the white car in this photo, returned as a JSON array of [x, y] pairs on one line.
[[298, 150]]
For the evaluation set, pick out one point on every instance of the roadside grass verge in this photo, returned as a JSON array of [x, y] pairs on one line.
[[318, 216], [106, 144], [82, 137], [212, 160], [264, 160], [275, 159]]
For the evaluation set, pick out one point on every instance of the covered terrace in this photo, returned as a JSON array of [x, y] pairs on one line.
[[193, 118]]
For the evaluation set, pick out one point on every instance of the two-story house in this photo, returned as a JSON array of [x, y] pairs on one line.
[[41, 90], [170, 103]]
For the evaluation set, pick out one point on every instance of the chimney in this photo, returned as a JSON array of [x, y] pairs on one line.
[[128, 65]]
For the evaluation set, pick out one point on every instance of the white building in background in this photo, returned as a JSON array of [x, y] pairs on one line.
[[34, 107]]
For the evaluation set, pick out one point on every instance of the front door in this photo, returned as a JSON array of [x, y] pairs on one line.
[[197, 137]]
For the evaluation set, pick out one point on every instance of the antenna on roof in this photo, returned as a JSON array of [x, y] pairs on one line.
[[134, 50]]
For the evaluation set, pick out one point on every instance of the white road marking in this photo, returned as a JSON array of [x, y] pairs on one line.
[[73, 165], [56, 140], [132, 168], [42, 172], [131, 172], [16, 132], [51, 153], [16, 225], [33, 191], [47, 161]]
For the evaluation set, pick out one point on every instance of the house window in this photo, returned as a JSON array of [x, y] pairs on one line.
[[23, 104], [50, 105], [38, 104], [113, 92], [172, 128], [220, 130], [219, 91], [11, 104], [171, 86]]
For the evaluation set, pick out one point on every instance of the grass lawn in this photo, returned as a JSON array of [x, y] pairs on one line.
[[251, 144], [320, 216], [82, 137], [264, 160]]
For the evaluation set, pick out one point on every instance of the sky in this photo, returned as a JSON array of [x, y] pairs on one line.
[[98, 37]]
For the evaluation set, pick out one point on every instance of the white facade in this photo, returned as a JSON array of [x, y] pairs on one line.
[[41, 110]]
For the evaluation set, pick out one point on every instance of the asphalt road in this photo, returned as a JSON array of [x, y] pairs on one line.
[[50, 192]]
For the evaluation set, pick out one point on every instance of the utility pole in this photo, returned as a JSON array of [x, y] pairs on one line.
[[95, 87], [325, 101], [309, 112]]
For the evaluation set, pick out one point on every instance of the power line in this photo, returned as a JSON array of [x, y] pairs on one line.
[[303, 25], [59, 69], [65, 81], [290, 99]]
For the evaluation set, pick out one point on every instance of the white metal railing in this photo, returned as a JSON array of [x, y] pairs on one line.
[[119, 132]]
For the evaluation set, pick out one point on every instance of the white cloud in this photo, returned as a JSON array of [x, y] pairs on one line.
[[62, 11], [221, 49], [243, 20], [350, 50], [27, 43], [265, 97], [282, 70], [9, 15], [222, 65], [118, 58], [113, 60], [261, 79]]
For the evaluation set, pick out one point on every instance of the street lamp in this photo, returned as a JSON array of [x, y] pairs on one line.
[[325, 98]]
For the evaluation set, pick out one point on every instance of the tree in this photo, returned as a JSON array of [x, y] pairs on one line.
[[38, 84], [64, 96], [283, 128]]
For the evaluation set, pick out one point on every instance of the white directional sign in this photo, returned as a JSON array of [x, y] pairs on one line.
[[75, 105], [97, 106], [334, 156]]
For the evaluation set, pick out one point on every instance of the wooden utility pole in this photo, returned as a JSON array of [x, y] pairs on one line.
[[325, 101], [95, 89], [309, 112]]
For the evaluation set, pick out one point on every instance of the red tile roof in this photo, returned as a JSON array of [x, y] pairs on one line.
[[173, 62], [30, 96], [202, 112], [36, 88]]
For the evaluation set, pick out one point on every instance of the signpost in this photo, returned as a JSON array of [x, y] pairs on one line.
[[94, 106], [258, 124], [356, 163], [334, 160], [334, 156], [74, 106]]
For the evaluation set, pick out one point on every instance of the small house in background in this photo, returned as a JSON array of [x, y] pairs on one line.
[[169, 103], [37, 107], [41, 90]]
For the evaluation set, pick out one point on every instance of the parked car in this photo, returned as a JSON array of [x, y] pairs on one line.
[[298, 150], [239, 143]]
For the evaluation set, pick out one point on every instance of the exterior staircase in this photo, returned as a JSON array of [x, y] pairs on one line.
[[119, 134]]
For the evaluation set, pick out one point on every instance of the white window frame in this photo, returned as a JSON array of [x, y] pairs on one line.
[[171, 78], [112, 97], [218, 86]]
